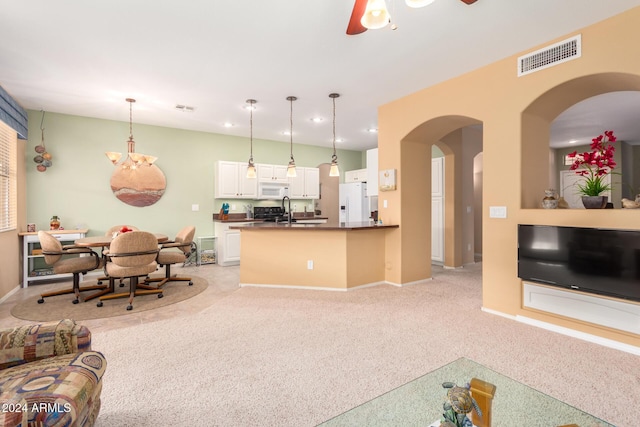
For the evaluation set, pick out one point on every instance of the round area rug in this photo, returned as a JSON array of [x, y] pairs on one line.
[[61, 307]]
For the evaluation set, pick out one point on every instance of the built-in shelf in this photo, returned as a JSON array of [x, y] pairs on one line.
[[603, 311]]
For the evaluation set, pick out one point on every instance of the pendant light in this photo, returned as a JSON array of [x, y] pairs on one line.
[[133, 159], [334, 171], [291, 168], [251, 167], [376, 15]]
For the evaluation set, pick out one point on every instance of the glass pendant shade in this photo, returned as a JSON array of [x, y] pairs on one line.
[[334, 170], [291, 169], [418, 3], [375, 15], [113, 156], [251, 169]]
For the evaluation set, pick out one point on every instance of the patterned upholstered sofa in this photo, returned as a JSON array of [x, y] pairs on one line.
[[49, 376]]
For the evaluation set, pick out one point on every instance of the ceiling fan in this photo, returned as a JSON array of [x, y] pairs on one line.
[[360, 6]]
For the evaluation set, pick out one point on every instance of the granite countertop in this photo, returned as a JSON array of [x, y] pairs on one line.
[[240, 217], [271, 226]]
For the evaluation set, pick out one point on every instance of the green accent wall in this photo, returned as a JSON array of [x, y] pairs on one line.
[[76, 186]]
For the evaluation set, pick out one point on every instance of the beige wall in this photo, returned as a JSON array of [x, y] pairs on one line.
[[10, 244], [515, 113], [341, 258]]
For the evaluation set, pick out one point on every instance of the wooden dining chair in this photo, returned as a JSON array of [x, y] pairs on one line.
[[131, 255], [79, 261]]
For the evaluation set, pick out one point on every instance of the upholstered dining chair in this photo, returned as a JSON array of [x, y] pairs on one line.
[[109, 232], [131, 255], [79, 261], [175, 252]]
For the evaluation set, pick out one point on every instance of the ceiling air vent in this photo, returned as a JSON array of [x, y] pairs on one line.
[[549, 56]]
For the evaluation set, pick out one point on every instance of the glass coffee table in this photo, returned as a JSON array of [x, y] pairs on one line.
[[419, 402]]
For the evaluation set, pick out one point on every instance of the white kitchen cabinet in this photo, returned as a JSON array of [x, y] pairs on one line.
[[34, 267], [232, 181], [272, 173], [372, 172], [228, 243], [357, 175], [306, 184]]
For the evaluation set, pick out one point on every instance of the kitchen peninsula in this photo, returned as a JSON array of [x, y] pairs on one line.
[[314, 256]]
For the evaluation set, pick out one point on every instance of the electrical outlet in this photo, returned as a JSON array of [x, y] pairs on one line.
[[310, 264], [233, 207], [295, 207], [385, 204]]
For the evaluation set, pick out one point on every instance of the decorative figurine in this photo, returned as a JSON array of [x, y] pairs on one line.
[[458, 404]]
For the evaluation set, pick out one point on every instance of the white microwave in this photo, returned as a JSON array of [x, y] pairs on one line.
[[272, 190]]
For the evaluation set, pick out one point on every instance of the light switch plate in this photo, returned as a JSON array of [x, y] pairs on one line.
[[195, 208], [497, 211]]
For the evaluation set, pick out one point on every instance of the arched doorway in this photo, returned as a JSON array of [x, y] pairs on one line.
[[452, 135]]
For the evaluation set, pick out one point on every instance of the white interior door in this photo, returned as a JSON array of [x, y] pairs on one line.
[[437, 209], [569, 188]]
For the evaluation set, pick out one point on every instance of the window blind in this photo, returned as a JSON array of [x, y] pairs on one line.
[[8, 178]]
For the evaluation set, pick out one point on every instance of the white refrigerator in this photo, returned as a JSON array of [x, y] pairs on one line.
[[354, 203]]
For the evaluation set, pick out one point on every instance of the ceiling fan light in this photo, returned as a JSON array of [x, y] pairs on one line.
[[418, 3], [375, 15]]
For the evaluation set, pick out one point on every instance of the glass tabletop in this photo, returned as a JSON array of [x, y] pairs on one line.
[[419, 402]]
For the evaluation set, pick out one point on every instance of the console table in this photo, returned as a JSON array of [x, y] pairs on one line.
[[33, 266], [419, 402]]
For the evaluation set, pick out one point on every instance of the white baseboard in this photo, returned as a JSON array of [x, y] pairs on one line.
[[581, 335], [11, 292], [313, 288], [417, 282], [569, 332]]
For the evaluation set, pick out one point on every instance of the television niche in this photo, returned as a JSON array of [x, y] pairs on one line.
[[594, 260]]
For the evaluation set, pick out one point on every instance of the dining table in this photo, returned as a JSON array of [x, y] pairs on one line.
[[105, 242]]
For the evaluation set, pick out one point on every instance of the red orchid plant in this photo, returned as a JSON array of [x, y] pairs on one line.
[[594, 165]]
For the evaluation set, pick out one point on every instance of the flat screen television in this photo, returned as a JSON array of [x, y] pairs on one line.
[[595, 260]]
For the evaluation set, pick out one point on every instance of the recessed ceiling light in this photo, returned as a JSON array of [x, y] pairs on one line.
[[286, 132], [317, 119], [573, 141], [228, 125], [339, 140], [372, 130]]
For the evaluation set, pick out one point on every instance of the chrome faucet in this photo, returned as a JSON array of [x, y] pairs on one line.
[[289, 210]]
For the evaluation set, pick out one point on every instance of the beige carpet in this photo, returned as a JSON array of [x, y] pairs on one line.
[[295, 358], [60, 306]]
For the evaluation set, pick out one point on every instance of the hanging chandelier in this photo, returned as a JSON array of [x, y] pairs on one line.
[[291, 168], [251, 167], [133, 159], [334, 171]]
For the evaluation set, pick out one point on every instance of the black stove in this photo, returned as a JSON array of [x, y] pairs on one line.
[[270, 213]]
